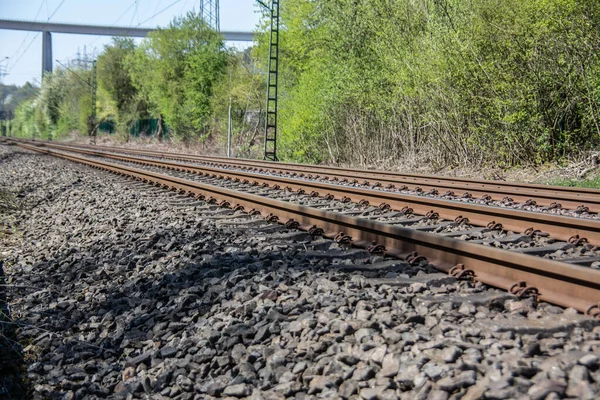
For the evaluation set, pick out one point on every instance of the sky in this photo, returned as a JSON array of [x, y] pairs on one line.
[[24, 49]]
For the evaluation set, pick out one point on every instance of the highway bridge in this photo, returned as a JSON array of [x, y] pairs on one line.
[[47, 28]]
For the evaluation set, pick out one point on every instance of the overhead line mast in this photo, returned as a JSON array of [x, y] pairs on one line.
[[93, 127], [209, 11], [273, 71]]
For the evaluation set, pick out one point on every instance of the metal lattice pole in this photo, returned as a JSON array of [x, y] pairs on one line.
[[209, 11], [93, 116], [273, 71]]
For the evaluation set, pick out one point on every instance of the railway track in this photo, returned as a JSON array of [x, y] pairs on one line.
[[559, 227], [351, 219], [529, 196]]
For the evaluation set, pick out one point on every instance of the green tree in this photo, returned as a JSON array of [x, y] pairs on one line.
[[175, 70], [12, 95], [115, 81], [441, 82]]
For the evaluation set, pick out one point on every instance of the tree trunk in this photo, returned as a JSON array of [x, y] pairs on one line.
[[160, 128]]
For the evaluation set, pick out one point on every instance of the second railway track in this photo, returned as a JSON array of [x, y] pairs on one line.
[[380, 229], [556, 198], [560, 227]]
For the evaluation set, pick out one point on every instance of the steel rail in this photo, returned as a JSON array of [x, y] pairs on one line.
[[552, 281], [543, 195], [558, 226]]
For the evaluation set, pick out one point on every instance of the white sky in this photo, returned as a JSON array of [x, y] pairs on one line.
[[24, 49]]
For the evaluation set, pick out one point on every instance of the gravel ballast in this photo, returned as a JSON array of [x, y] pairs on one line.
[[116, 289]]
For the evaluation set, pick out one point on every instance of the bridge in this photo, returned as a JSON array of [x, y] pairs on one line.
[[47, 28]]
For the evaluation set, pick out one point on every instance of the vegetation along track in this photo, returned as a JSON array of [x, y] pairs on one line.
[[381, 230]]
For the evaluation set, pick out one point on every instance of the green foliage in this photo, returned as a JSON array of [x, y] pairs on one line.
[[112, 76], [11, 96], [590, 183], [243, 88], [175, 70], [122, 104], [438, 81], [371, 82], [23, 125], [171, 74]]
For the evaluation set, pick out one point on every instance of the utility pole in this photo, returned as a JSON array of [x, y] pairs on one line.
[[3, 69], [273, 71], [93, 116], [209, 11], [229, 128]]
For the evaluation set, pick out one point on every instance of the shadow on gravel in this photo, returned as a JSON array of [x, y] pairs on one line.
[[105, 304], [106, 297], [12, 364], [9, 156]]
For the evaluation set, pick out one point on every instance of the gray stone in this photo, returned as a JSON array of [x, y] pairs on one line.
[[240, 390], [580, 390], [378, 354], [532, 349], [463, 380], [467, 309], [142, 358], [438, 395], [287, 377], [320, 383], [348, 388], [424, 390], [287, 389], [542, 326], [591, 361], [451, 354], [579, 373], [372, 393], [389, 366], [299, 367], [168, 351], [363, 332], [542, 389], [262, 334], [363, 373], [295, 327], [501, 394], [215, 388], [434, 371], [348, 359], [406, 376]]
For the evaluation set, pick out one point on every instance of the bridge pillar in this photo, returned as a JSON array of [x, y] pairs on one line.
[[46, 52]]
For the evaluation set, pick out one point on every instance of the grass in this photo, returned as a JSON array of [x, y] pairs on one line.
[[591, 183], [8, 204], [7, 201]]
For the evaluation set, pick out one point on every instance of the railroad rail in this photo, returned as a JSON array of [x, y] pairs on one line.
[[531, 194], [553, 281], [559, 227]]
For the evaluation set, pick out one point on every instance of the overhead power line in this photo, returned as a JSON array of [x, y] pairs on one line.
[[86, 81], [144, 21], [28, 33], [55, 10], [115, 22], [37, 34], [160, 12]]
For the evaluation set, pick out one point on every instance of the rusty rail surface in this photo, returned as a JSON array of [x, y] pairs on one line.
[[552, 281], [544, 195], [558, 226]]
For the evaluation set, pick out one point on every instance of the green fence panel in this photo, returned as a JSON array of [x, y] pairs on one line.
[[146, 127], [107, 127]]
